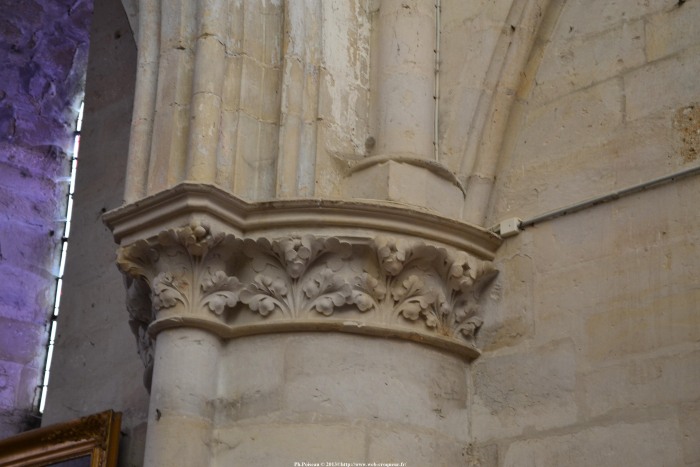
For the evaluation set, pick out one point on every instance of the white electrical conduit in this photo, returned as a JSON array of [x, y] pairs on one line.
[[523, 224], [436, 135]]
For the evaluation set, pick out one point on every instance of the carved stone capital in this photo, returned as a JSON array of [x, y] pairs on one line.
[[344, 275]]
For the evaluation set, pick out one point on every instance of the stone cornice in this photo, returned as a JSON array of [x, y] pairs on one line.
[[223, 211]]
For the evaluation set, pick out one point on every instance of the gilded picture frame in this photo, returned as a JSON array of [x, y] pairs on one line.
[[88, 441]]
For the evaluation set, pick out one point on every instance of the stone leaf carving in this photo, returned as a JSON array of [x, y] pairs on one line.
[[427, 284], [388, 282], [138, 304], [297, 275], [391, 281], [183, 268]]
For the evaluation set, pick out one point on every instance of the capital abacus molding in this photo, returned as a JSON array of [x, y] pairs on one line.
[[197, 256]]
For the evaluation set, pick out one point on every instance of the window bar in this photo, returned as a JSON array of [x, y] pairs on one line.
[[62, 261]]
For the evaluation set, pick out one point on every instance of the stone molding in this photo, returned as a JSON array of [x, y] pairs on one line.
[[348, 273]]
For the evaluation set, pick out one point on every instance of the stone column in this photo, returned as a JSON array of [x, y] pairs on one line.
[[252, 309], [258, 320], [406, 79], [402, 164], [183, 386]]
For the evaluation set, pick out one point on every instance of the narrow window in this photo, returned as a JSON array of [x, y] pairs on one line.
[[62, 260]]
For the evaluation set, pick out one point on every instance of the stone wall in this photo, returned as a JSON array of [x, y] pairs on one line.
[[592, 354], [43, 53], [96, 366]]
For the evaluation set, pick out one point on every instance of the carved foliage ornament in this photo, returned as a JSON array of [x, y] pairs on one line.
[[388, 282], [180, 268]]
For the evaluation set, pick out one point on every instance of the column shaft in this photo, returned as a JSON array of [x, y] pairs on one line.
[[406, 78], [180, 412]]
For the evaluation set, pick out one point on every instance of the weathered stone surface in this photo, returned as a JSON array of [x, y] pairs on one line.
[[377, 380], [583, 118], [397, 446], [671, 31], [520, 392], [92, 325], [689, 416], [644, 444], [643, 383], [279, 445], [589, 17], [679, 69], [511, 318], [43, 51], [580, 61], [21, 341], [590, 336], [254, 383]]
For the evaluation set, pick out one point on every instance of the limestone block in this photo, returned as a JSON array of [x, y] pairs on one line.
[[253, 84], [185, 367], [178, 25], [468, 51], [643, 444], [455, 11], [586, 17], [480, 455], [457, 106], [181, 440], [10, 375], [574, 63], [171, 123], [231, 87], [262, 28], [27, 291], [641, 151], [37, 203], [342, 127], [255, 177], [405, 78], [672, 30], [21, 341], [280, 445], [510, 319], [585, 118], [620, 290], [344, 78], [27, 183], [685, 226], [689, 415], [251, 378], [406, 184], [686, 126], [651, 322], [355, 377], [558, 315], [643, 382], [407, 116], [397, 444], [676, 76], [666, 240], [567, 241], [28, 246], [522, 391]]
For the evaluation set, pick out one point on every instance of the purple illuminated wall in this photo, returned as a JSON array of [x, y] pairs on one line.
[[43, 55]]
